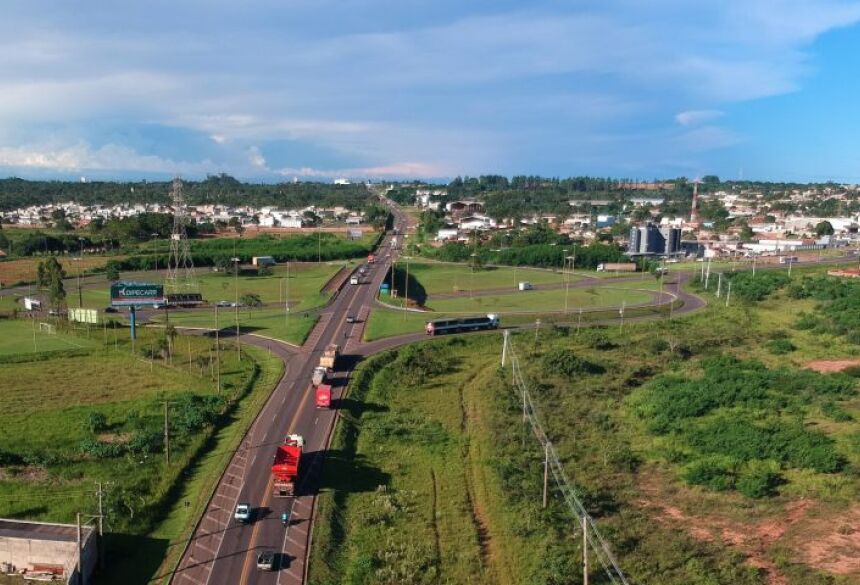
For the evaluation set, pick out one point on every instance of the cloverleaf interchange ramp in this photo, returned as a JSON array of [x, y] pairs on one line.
[[225, 552]]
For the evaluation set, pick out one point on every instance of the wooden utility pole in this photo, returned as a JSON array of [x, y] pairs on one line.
[[166, 435], [101, 542], [80, 551], [584, 549], [217, 353], [545, 473]]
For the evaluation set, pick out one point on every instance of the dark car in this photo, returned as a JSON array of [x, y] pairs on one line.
[[111, 310], [266, 560]]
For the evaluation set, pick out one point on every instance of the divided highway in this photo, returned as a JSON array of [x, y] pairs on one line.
[[222, 551]]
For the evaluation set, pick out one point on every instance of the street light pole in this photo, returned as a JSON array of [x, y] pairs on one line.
[[236, 280], [80, 263]]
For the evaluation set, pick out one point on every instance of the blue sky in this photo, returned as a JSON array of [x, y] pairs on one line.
[[316, 89]]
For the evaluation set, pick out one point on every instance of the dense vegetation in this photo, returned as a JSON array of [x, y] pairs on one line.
[[740, 418], [220, 189]]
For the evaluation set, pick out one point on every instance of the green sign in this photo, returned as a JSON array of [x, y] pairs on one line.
[[124, 294]]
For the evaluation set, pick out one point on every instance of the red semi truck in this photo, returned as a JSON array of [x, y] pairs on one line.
[[371, 258], [285, 469], [323, 396]]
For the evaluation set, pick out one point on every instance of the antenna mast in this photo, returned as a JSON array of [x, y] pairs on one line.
[[180, 267]]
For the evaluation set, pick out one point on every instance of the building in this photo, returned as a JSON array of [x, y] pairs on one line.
[[651, 240], [42, 550]]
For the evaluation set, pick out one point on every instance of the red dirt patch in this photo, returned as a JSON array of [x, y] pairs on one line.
[[833, 545], [754, 539], [828, 366]]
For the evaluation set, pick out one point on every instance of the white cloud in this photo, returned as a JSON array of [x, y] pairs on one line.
[[695, 117], [395, 170], [82, 157], [256, 158]]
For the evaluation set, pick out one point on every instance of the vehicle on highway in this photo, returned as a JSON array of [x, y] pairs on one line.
[[788, 259], [491, 321], [329, 356], [285, 468], [223, 304], [243, 513], [353, 280], [526, 286], [323, 396], [351, 319], [111, 310], [266, 560], [319, 375]]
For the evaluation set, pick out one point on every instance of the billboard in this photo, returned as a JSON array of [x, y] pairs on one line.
[[124, 294], [84, 315]]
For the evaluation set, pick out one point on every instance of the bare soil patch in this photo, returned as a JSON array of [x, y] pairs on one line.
[[829, 366], [829, 542]]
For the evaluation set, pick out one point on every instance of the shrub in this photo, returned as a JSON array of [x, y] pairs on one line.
[[714, 472], [758, 479], [780, 346], [96, 422], [835, 412], [566, 363]]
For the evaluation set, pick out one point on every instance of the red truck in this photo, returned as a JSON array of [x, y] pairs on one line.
[[371, 259], [285, 469], [323, 396]]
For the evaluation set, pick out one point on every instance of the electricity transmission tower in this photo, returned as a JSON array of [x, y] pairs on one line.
[[180, 267]]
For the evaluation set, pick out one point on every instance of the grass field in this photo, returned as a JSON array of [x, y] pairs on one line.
[[95, 413], [17, 337], [267, 322], [447, 278], [394, 508], [24, 270], [459, 425], [541, 301]]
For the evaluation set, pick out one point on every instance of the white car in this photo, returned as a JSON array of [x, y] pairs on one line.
[[243, 513]]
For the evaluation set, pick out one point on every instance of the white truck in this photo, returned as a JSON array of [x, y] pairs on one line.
[[319, 375], [354, 280], [526, 286]]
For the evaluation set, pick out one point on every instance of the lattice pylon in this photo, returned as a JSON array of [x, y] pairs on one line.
[[180, 266]]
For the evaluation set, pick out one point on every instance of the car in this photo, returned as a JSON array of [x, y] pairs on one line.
[[223, 304], [243, 513], [351, 319], [111, 310], [266, 560]]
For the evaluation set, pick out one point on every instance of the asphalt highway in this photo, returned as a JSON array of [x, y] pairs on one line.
[[222, 550]]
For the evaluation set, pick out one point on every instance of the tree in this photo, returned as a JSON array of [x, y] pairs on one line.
[[50, 275], [112, 270], [746, 234], [251, 300], [4, 241], [824, 228]]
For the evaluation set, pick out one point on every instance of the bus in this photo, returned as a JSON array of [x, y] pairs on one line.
[[441, 326], [184, 300]]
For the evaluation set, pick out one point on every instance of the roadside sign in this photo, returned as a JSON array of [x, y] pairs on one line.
[[125, 294], [84, 316]]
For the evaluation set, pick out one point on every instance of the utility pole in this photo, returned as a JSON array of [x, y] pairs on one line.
[[564, 278], [584, 549], [166, 435], [406, 290], [101, 544], [579, 321], [754, 259], [545, 473], [729, 293], [80, 551], [621, 312], [790, 262], [708, 274], [80, 268], [504, 346], [719, 284], [238, 347], [217, 353], [537, 330]]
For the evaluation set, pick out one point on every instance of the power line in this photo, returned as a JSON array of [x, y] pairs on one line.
[[554, 467]]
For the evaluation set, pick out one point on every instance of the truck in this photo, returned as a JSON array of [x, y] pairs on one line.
[[329, 356], [32, 304], [263, 261], [371, 258], [354, 280], [323, 396], [285, 468], [319, 375], [788, 259], [616, 267], [525, 286]]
